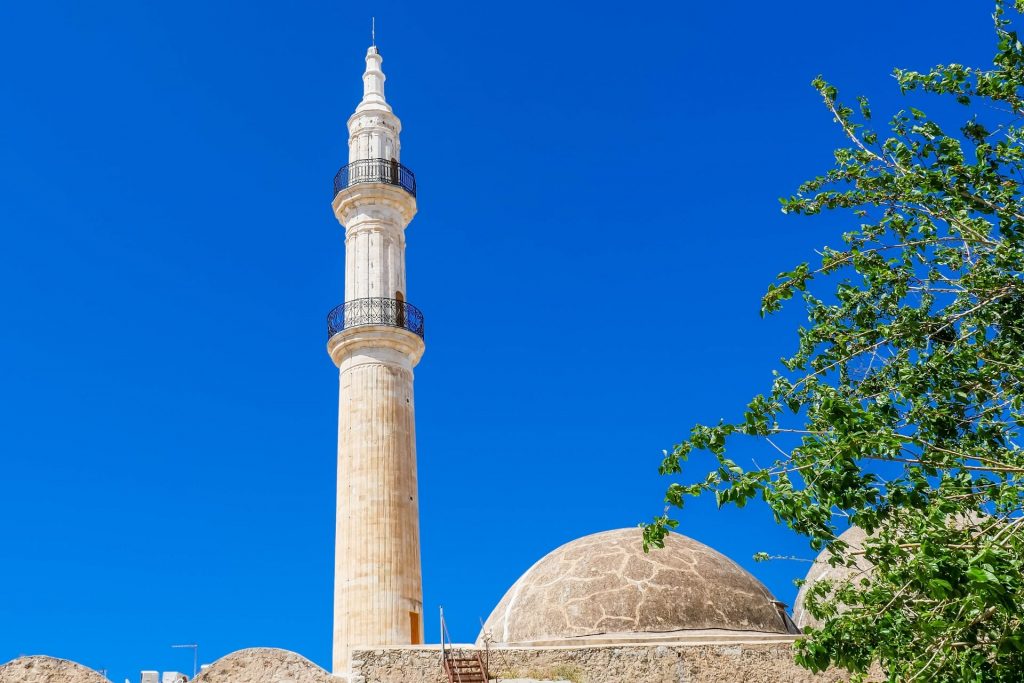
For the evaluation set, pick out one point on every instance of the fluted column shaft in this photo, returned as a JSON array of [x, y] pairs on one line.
[[378, 591]]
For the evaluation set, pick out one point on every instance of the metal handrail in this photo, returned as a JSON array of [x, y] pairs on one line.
[[444, 635], [375, 311], [387, 171], [449, 661], [483, 667], [445, 657]]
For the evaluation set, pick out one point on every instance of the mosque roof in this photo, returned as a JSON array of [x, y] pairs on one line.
[[604, 584], [41, 669], [263, 665], [821, 569]]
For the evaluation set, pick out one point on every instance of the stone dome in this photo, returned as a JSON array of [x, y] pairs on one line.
[[40, 669], [604, 584], [263, 665], [821, 569]]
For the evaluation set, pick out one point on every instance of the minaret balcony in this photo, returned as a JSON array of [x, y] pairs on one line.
[[375, 311], [388, 172]]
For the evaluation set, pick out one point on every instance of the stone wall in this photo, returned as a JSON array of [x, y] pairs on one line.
[[41, 669], [651, 663]]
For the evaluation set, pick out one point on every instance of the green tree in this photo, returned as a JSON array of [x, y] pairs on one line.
[[901, 408]]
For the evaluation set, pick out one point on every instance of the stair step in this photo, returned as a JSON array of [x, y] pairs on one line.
[[465, 670]]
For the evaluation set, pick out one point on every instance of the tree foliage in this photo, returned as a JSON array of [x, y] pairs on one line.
[[901, 409]]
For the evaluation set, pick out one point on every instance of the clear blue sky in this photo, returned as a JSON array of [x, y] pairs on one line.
[[598, 219]]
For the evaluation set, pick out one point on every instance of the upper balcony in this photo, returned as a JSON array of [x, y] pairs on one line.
[[375, 311], [389, 172]]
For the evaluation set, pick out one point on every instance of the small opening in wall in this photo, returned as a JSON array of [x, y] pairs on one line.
[[400, 308], [414, 628]]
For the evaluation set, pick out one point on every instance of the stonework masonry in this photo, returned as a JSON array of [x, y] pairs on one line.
[[39, 669], [649, 663], [642, 663], [822, 570], [263, 665], [605, 583], [377, 554]]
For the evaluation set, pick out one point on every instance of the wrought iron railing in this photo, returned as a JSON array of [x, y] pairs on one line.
[[375, 311], [375, 171]]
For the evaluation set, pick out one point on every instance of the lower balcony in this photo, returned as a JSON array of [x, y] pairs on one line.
[[375, 311], [388, 172]]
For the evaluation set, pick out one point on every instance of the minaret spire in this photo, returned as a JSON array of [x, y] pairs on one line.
[[376, 339], [373, 83]]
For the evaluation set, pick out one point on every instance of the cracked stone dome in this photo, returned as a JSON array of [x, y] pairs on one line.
[[605, 585]]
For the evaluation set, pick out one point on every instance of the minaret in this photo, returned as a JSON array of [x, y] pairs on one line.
[[375, 338]]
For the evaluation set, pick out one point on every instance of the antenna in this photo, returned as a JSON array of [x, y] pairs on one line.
[[373, 31], [195, 656]]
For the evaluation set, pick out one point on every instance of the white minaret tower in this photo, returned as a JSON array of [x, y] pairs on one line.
[[375, 339]]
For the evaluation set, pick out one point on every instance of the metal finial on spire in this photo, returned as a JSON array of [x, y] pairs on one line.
[[373, 77]]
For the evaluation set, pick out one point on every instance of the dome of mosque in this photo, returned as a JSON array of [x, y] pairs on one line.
[[263, 665], [604, 585], [40, 669], [821, 569]]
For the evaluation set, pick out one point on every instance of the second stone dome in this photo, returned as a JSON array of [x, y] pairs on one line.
[[604, 584]]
